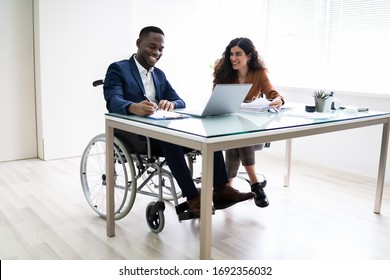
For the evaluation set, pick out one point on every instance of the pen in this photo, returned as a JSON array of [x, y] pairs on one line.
[[148, 99]]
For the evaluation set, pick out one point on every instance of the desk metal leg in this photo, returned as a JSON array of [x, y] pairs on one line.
[[206, 203], [287, 162], [382, 168], [110, 179]]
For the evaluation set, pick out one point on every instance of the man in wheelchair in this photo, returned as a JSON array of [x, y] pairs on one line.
[[135, 86]]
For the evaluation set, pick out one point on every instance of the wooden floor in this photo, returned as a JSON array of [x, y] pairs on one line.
[[323, 215]]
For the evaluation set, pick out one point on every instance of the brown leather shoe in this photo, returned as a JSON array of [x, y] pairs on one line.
[[194, 205], [229, 196]]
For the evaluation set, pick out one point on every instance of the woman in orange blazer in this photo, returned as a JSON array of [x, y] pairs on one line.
[[240, 63]]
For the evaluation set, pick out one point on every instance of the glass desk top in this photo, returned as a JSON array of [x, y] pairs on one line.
[[248, 121]]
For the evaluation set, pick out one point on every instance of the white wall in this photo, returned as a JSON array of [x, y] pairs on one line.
[[17, 99], [75, 42]]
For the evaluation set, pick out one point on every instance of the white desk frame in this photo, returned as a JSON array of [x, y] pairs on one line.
[[208, 146]]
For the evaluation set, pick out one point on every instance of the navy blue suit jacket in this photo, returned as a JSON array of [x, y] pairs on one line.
[[123, 86]]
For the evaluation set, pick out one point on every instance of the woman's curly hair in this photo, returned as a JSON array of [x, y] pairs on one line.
[[224, 72]]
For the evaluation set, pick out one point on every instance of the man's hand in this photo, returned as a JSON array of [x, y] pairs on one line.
[[166, 105], [144, 108]]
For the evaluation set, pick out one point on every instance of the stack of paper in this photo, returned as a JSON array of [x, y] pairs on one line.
[[259, 105]]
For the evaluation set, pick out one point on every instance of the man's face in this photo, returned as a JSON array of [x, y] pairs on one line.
[[150, 49]]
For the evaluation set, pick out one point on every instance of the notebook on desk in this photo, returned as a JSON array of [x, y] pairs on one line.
[[225, 99], [166, 115]]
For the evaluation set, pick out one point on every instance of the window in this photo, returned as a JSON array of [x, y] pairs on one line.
[[330, 44]]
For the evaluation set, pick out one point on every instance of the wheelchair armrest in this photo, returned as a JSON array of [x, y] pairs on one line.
[[148, 148], [98, 83]]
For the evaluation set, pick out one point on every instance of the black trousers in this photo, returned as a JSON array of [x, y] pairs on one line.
[[175, 158]]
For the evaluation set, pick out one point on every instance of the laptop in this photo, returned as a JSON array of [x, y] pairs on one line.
[[225, 99]]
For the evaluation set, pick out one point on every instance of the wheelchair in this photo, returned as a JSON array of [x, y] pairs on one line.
[[137, 169]]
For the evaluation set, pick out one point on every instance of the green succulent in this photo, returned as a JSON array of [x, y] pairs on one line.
[[322, 94]]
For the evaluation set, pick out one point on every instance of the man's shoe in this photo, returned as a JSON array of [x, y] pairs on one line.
[[229, 196], [194, 205], [192, 208], [261, 199]]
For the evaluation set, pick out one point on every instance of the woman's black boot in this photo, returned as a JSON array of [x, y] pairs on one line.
[[261, 199]]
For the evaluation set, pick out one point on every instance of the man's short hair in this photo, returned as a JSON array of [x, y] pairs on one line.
[[148, 29]]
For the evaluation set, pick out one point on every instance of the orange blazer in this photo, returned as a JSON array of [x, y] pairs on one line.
[[261, 84]]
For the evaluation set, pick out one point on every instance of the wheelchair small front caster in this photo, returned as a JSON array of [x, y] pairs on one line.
[[155, 216]]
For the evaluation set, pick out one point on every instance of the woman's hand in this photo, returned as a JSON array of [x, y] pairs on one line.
[[277, 102]]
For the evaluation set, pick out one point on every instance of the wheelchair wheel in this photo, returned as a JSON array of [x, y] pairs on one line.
[[155, 216], [167, 175], [93, 177]]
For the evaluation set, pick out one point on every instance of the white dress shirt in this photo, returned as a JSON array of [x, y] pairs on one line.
[[147, 80]]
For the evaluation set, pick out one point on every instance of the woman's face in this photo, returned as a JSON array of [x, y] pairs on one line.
[[238, 58]]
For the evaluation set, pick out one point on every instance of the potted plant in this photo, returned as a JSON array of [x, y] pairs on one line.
[[320, 97]]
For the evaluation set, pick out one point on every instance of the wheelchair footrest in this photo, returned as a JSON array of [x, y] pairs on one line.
[[181, 208], [187, 216], [183, 213]]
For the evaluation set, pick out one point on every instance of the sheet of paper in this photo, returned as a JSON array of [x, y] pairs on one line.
[[166, 115]]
